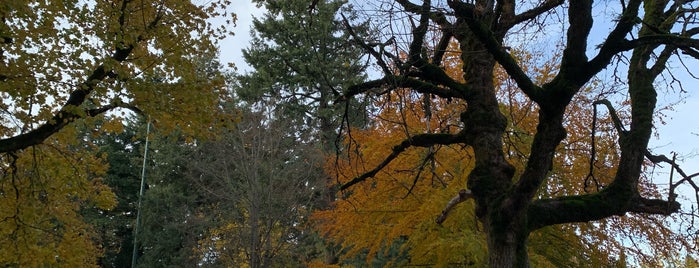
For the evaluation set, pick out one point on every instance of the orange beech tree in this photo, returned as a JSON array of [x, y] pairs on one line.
[[403, 201], [517, 159], [62, 63]]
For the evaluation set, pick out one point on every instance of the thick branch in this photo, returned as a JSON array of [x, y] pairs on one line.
[[618, 125], [419, 33], [593, 207], [68, 113], [109, 107], [661, 61], [534, 12], [574, 59], [404, 82], [575, 70], [496, 49], [462, 196], [550, 133], [654, 206], [580, 17], [442, 46], [421, 140], [434, 74], [691, 52], [656, 39], [615, 39]]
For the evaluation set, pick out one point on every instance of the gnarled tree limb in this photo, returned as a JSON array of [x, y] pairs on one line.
[[462, 196], [496, 49], [593, 207], [421, 140], [68, 113], [402, 82]]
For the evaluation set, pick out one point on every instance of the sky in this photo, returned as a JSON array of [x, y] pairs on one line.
[[231, 47], [680, 134]]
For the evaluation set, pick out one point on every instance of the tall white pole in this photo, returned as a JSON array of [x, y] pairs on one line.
[[134, 255]]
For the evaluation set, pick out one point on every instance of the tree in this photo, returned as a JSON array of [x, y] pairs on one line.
[[175, 212], [115, 226], [422, 180], [302, 60], [511, 203], [42, 190], [265, 182], [63, 63]]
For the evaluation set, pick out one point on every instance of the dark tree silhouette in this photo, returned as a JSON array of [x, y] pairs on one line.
[[507, 205]]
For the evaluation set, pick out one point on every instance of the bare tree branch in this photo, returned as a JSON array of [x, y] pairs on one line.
[[404, 82], [462, 196], [656, 159], [366, 47], [534, 12], [421, 140], [499, 52]]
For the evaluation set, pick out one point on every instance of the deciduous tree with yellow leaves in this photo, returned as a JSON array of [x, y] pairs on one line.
[[64, 62]]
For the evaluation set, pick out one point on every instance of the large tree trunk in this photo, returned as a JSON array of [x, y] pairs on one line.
[[492, 176], [507, 237], [507, 250]]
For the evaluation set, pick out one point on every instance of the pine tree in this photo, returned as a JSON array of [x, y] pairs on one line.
[[302, 61]]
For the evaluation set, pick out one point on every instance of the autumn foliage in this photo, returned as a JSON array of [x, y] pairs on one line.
[[43, 190], [64, 64], [466, 150], [401, 202]]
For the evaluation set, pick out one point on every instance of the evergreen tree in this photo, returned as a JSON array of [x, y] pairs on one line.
[[168, 234], [175, 213], [122, 150], [302, 62]]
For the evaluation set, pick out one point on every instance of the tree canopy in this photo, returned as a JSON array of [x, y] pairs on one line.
[[302, 60], [408, 195], [70, 60], [511, 202], [62, 64]]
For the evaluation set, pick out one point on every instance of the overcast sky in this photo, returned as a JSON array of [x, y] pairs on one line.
[[231, 47]]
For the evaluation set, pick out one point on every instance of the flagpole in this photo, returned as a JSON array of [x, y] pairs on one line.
[[134, 255]]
